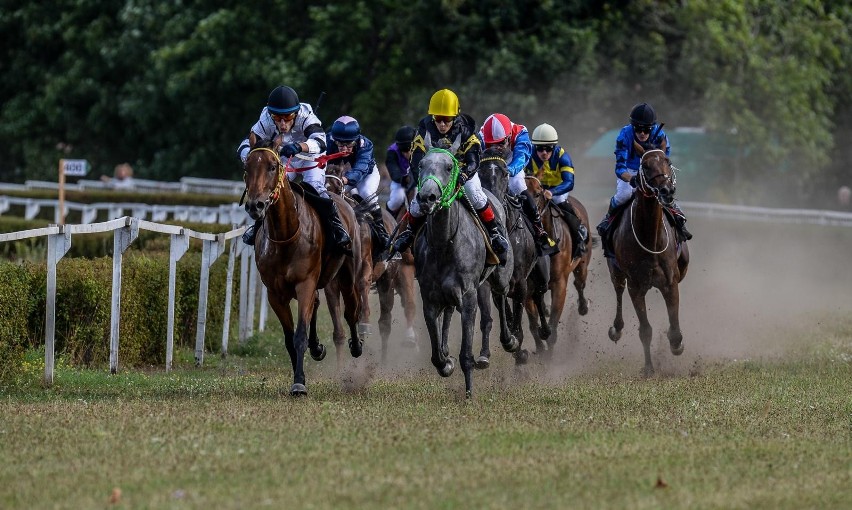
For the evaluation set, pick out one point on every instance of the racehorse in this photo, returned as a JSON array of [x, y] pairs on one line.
[[386, 275], [562, 265], [450, 257], [494, 176], [293, 256], [647, 253]]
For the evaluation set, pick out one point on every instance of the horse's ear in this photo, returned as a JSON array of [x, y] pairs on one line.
[[276, 143], [663, 145], [638, 148], [252, 140]]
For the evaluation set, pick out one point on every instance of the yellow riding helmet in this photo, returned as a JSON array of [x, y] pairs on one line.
[[444, 102]]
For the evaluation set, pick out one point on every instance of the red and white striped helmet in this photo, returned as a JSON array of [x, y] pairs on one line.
[[496, 128]]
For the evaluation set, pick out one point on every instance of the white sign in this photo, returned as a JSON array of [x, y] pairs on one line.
[[75, 167]]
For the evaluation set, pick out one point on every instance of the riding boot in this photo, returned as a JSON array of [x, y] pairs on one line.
[[393, 212], [338, 231], [406, 238], [496, 232], [251, 233], [579, 233], [679, 221], [379, 228], [546, 245], [603, 230]]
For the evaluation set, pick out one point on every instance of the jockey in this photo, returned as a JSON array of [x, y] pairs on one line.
[[553, 167], [514, 141], [643, 128], [398, 163], [447, 128], [362, 180], [301, 132]]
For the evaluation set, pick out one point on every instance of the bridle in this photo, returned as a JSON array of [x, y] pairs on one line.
[[645, 184], [276, 191]]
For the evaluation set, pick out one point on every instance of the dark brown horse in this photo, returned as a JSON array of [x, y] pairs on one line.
[[561, 266], [647, 253], [387, 276], [293, 257]]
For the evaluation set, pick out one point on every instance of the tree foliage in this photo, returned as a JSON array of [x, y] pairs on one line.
[[172, 87]]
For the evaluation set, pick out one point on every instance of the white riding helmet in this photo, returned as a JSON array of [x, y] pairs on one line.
[[545, 134]]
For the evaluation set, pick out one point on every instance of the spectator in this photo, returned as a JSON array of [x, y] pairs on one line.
[[123, 178]]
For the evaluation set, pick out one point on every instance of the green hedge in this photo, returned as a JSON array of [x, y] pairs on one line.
[[83, 301]]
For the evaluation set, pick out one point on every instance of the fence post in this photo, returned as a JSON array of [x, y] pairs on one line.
[[177, 249], [245, 260], [121, 240], [252, 299], [210, 252], [57, 247], [229, 287], [264, 308]]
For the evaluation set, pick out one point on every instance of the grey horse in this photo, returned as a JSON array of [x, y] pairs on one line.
[[450, 259], [529, 271]]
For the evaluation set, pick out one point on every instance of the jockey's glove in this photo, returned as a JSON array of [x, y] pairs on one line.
[[291, 149], [634, 182]]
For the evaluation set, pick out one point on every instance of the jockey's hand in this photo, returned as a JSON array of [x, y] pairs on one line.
[[291, 149], [634, 182], [547, 194]]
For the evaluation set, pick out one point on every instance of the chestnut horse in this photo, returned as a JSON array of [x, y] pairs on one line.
[[294, 258], [561, 266], [647, 253], [387, 276]]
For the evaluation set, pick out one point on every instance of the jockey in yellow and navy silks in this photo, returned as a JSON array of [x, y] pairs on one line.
[[362, 178], [445, 127], [513, 140], [643, 129], [301, 132], [553, 167]]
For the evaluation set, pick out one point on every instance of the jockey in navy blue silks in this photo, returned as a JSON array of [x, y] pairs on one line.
[[362, 179], [643, 129]]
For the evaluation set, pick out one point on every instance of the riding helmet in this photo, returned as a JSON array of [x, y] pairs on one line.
[[545, 134], [282, 100], [345, 129], [444, 102], [496, 128], [643, 115], [405, 134]]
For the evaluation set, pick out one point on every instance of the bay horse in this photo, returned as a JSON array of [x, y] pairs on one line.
[[647, 253], [294, 258], [494, 176], [386, 275], [562, 265], [450, 257]]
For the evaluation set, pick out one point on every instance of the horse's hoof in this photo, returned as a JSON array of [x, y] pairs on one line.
[[522, 356], [449, 367], [468, 394], [583, 308], [648, 372], [319, 355], [298, 390], [481, 363], [677, 351], [511, 345], [614, 334], [356, 347], [410, 343], [544, 332]]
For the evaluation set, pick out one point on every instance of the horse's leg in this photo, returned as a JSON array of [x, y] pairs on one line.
[[405, 289], [332, 299], [445, 364], [558, 290], [645, 331], [281, 307], [507, 339], [351, 311], [683, 261], [468, 313], [385, 290], [540, 279], [581, 272], [672, 297], [619, 281], [483, 294], [365, 279], [305, 295], [533, 305], [445, 329], [316, 349], [521, 355]]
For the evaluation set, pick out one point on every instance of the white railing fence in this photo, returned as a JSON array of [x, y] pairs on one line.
[[766, 214], [186, 185], [126, 230]]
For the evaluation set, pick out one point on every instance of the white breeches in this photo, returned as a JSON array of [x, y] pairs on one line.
[[397, 196], [315, 177], [517, 184], [368, 186]]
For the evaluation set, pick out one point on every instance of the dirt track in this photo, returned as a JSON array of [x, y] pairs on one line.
[[751, 289]]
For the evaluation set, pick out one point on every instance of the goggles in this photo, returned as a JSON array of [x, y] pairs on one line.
[[442, 119], [544, 148], [286, 117], [642, 129]]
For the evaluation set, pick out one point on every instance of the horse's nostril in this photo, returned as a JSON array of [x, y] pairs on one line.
[[432, 197]]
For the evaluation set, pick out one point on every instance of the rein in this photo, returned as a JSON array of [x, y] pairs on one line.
[[449, 192], [636, 237]]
